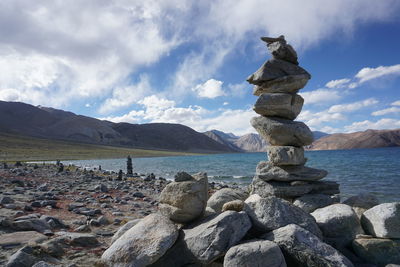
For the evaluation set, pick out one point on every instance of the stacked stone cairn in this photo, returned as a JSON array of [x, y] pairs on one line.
[[277, 83]]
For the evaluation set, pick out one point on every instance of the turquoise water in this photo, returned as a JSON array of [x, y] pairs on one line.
[[357, 171]]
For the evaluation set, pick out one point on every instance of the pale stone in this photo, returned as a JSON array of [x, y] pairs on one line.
[[286, 155], [255, 253], [20, 238], [185, 201], [123, 229], [311, 202], [235, 205], [281, 132], [378, 250], [382, 220], [271, 213], [286, 106], [224, 195], [362, 202]]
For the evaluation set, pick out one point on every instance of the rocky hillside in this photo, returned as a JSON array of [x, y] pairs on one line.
[[251, 143], [225, 139], [366, 139], [48, 123]]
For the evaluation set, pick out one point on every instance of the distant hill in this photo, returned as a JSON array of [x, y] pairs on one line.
[[249, 142], [365, 139], [48, 123]]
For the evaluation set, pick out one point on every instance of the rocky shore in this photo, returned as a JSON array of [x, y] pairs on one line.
[[91, 218]]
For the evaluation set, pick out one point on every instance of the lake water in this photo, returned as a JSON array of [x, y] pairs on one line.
[[357, 171]]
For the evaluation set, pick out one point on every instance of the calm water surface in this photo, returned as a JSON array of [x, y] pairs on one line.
[[357, 171]]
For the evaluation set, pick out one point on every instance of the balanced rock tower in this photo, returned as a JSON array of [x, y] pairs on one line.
[[277, 82]]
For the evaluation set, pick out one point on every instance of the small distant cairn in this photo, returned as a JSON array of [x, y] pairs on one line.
[[129, 168], [277, 83]]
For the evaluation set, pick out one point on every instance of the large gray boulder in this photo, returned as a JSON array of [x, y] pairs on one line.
[[271, 213], [287, 106], [268, 172], [311, 202], [281, 132], [255, 253], [222, 196], [143, 244], [361, 202], [279, 49], [338, 221], [203, 242], [185, 201], [123, 229], [286, 155], [382, 220], [379, 251], [302, 248]]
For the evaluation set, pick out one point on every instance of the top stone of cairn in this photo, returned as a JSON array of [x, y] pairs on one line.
[[281, 74]]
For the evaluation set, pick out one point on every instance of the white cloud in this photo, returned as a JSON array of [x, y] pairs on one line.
[[337, 83], [9, 95], [210, 89], [239, 89], [367, 74], [314, 119], [225, 103], [320, 96], [396, 103], [126, 95], [386, 111], [353, 106], [384, 123], [330, 130]]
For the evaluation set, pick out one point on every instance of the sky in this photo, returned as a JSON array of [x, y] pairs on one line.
[[186, 62]]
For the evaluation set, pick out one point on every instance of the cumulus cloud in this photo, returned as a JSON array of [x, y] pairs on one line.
[[384, 123], [352, 106], [386, 111], [338, 83], [210, 89], [320, 96], [314, 119], [367, 74], [396, 103]]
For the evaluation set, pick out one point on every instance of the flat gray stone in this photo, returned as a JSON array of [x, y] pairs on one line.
[[271, 213], [290, 190], [286, 155], [378, 250], [287, 106], [224, 195], [281, 132], [338, 221], [185, 201], [382, 220], [20, 238], [282, 50], [302, 248], [279, 76], [311, 202], [143, 244], [289, 173], [255, 253]]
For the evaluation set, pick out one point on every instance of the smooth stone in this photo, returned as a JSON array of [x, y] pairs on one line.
[[185, 201], [378, 250], [20, 238], [281, 132], [286, 155], [271, 213], [202, 242], [362, 202], [280, 76], [302, 248], [283, 51], [268, 172], [382, 220], [31, 224], [338, 221], [287, 106], [255, 253], [22, 258], [235, 205], [311, 202], [143, 244], [123, 229], [80, 239], [224, 195]]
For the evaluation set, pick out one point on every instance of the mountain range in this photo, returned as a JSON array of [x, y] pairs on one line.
[[49, 123]]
